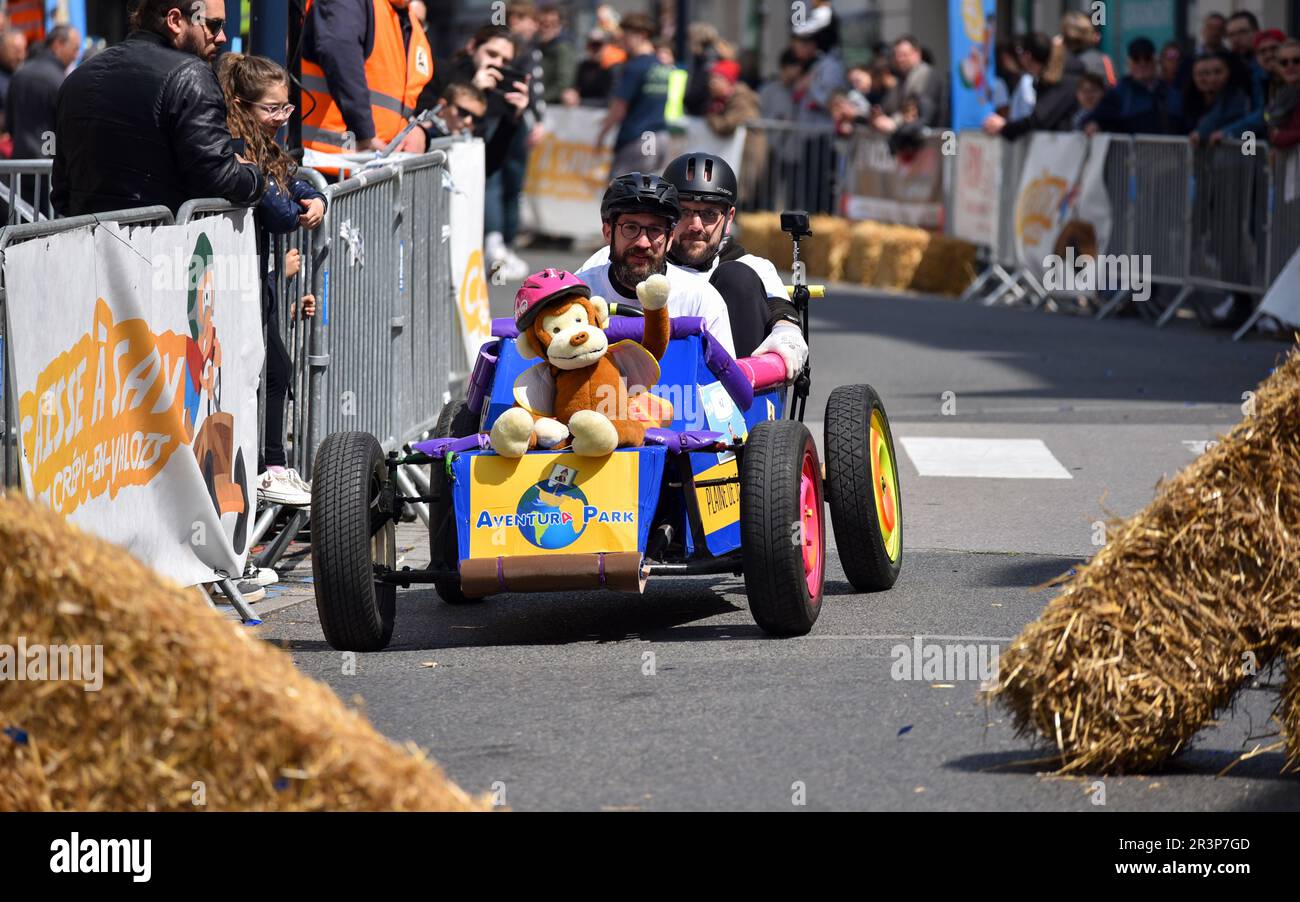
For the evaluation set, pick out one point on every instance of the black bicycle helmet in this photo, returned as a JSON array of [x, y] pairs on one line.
[[704, 178], [639, 192]]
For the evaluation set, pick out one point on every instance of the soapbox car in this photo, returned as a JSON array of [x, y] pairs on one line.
[[733, 484]]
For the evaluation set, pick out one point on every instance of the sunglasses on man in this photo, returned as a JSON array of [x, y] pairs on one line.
[[464, 114], [214, 26]]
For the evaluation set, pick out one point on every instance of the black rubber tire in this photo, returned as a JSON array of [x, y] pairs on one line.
[[456, 420], [771, 460], [849, 488], [356, 612]]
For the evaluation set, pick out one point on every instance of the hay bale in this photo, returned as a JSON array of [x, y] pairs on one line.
[[866, 246], [947, 267], [900, 256], [1148, 641], [824, 253], [187, 697], [1288, 709], [761, 235]]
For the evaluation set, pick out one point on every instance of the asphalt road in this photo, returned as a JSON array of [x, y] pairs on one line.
[[547, 700]]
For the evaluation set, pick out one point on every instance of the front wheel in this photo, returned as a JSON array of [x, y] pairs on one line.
[[783, 537], [350, 535], [862, 488]]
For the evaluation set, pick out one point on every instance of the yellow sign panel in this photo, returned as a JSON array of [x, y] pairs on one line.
[[719, 504], [553, 504], [475, 316]]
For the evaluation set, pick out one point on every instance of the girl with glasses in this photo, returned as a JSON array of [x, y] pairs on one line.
[[257, 106]]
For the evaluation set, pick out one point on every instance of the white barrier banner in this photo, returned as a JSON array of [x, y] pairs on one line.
[[979, 188], [469, 277], [1283, 298], [137, 354], [1063, 212], [567, 176]]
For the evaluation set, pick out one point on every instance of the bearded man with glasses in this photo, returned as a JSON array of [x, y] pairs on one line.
[[759, 311], [144, 122], [639, 212]]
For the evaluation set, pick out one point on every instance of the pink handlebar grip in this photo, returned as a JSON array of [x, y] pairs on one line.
[[764, 371]]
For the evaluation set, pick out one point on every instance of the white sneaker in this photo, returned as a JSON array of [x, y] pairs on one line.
[[277, 487], [263, 576], [293, 476], [513, 267], [494, 248]]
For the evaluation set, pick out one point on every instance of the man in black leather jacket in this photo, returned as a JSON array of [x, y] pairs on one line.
[[144, 122]]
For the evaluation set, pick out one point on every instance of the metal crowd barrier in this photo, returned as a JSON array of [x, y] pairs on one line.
[[25, 191], [10, 467], [1212, 219], [999, 251], [792, 166], [1283, 220]]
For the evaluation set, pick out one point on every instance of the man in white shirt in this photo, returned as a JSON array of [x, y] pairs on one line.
[[639, 212], [762, 318]]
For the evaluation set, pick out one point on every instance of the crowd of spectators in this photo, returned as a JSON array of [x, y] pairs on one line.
[[1237, 80], [30, 77]]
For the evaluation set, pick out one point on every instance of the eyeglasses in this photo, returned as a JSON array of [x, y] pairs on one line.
[[214, 26], [467, 115], [1288, 60], [632, 231], [708, 216], [283, 111]]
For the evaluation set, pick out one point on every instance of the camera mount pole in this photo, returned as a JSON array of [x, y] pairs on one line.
[[796, 224]]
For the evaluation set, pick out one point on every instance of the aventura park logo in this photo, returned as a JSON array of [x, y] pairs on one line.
[[553, 513]]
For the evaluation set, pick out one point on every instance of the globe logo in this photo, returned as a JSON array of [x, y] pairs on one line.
[[550, 514]]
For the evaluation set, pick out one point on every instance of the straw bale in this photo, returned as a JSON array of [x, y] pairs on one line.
[[866, 245], [1150, 639], [188, 698], [823, 254], [947, 267], [901, 254]]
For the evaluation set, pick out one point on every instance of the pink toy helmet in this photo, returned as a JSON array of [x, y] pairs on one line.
[[540, 289]]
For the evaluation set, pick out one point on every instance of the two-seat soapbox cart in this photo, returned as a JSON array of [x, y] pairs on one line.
[[733, 485]]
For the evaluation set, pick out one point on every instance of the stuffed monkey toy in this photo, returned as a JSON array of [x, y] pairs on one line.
[[584, 388]]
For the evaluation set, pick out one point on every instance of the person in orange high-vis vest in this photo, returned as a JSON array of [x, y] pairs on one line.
[[364, 65]]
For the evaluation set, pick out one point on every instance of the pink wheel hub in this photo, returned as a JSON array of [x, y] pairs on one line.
[[810, 511]]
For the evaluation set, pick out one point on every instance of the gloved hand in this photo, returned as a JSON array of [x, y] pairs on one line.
[[786, 339]]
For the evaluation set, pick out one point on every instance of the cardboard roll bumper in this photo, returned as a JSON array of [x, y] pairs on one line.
[[621, 571]]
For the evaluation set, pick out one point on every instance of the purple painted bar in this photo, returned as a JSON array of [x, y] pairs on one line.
[[480, 382], [632, 328], [621, 328], [438, 448], [683, 442]]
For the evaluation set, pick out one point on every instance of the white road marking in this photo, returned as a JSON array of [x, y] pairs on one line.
[[984, 458]]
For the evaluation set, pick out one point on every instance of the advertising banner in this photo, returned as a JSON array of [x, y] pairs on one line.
[[136, 360]]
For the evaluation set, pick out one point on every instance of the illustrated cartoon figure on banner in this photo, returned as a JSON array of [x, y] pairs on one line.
[[223, 467]]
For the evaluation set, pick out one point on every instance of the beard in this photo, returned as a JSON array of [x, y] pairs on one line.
[[696, 252], [630, 272], [195, 42]]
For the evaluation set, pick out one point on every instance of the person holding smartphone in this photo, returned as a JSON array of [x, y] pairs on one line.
[[488, 63]]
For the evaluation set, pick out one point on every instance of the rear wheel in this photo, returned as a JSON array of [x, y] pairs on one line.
[[862, 488], [783, 539], [350, 535], [456, 420]]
